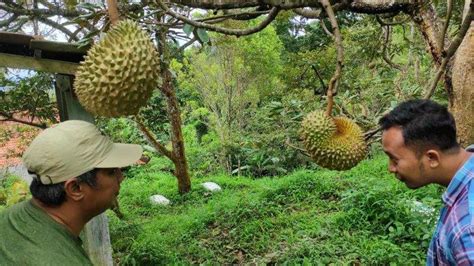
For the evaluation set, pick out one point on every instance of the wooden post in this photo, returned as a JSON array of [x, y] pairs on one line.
[[96, 232]]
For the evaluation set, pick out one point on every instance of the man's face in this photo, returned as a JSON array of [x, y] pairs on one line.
[[101, 197], [403, 161]]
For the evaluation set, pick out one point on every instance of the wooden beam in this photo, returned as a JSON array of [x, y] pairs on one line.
[[15, 38], [47, 65], [61, 47]]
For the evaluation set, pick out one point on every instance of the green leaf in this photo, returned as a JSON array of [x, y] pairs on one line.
[[88, 6], [202, 35], [188, 29]]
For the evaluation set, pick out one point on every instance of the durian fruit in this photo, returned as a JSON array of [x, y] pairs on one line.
[[119, 73], [333, 143]]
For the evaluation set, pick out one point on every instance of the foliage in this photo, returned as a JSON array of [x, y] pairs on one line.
[[318, 217], [121, 130], [155, 116], [365, 76], [28, 98], [242, 100], [12, 191], [201, 152], [245, 96], [229, 81], [266, 150]]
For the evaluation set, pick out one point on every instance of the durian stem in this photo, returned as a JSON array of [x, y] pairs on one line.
[[333, 83], [112, 9]]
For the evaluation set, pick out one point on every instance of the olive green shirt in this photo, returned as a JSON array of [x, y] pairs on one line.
[[29, 236]]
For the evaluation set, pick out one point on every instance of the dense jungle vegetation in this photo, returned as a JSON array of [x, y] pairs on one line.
[[242, 101]]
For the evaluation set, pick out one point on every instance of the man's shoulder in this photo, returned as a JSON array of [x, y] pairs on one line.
[[461, 216], [42, 257], [12, 210], [461, 213], [26, 230]]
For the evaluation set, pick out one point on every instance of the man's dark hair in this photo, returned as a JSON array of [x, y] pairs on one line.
[[425, 124], [55, 195]]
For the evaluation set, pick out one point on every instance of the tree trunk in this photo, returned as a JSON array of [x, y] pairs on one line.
[[463, 83], [426, 19], [180, 162], [459, 75]]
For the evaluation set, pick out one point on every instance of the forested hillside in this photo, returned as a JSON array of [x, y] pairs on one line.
[[232, 82]]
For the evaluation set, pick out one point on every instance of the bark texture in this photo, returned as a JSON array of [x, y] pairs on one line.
[[181, 165], [463, 83], [363, 6]]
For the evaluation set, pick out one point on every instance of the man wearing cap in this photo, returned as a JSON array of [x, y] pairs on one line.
[[77, 176]]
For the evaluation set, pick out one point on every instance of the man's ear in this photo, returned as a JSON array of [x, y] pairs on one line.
[[73, 189], [433, 157]]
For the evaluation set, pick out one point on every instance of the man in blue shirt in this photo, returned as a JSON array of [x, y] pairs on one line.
[[419, 137]]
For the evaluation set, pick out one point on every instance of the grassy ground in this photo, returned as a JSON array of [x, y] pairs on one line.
[[359, 216]]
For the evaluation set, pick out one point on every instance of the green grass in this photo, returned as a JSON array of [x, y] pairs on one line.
[[359, 216]]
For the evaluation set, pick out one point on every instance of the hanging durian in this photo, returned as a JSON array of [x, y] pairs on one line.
[[334, 143], [119, 73]]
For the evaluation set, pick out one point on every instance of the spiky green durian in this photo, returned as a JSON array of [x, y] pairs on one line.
[[119, 73], [334, 143]]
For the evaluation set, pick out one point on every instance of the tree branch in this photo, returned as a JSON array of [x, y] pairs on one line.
[[308, 13], [303, 151], [237, 16], [74, 35], [462, 32], [113, 11], [184, 46], [442, 36], [385, 56], [323, 25], [448, 53], [19, 24], [60, 27], [42, 11], [332, 90], [424, 15], [9, 20], [271, 16], [318, 13], [392, 23], [153, 141], [371, 133], [319, 76], [432, 87], [231, 4], [47, 4], [8, 117], [360, 6]]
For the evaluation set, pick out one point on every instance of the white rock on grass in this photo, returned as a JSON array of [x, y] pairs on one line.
[[159, 200], [211, 186]]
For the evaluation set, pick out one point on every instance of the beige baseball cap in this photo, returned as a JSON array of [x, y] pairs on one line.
[[75, 147]]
